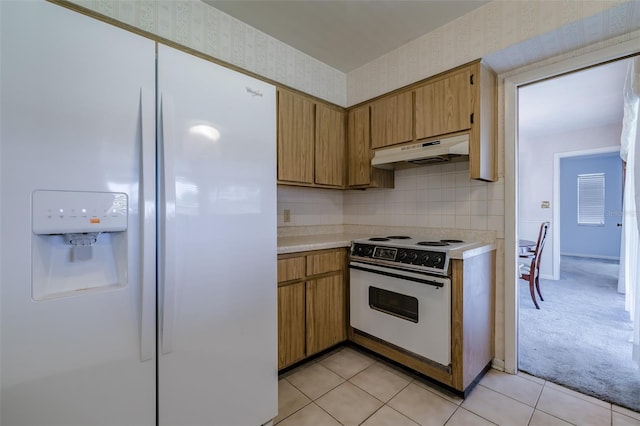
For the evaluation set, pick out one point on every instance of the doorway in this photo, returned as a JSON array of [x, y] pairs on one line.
[[538, 201], [511, 84]]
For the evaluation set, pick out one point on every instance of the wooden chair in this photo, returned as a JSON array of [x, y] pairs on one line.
[[529, 264]]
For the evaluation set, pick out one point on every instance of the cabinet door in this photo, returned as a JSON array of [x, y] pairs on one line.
[[326, 313], [330, 146], [444, 106], [359, 146], [392, 120], [295, 137], [291, 324]]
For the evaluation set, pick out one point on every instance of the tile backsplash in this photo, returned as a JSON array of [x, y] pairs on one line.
[[437, 196], [310, 206]]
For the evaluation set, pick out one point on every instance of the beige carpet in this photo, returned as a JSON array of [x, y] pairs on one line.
[[579, 338]]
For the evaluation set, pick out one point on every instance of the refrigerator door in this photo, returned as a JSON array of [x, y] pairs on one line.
[[217, 234], [77, 113]]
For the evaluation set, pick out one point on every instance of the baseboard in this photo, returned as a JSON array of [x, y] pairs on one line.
[[591, 256], [497, 364]]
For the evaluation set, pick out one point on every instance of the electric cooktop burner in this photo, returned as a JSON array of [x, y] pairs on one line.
[[378, 239], [432, 243], [398, 237], [452, 241]]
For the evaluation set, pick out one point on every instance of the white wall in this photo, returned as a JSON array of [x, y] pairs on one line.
[[536, 171], [506, 34], [199, 26]]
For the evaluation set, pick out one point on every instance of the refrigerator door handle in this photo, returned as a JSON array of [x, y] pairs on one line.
[[167, 204], [146, 211]]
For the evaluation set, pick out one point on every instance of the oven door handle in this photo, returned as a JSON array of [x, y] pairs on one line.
[[394, 275]]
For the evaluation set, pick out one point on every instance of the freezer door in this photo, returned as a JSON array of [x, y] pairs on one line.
[[77, 114], [217, 231]]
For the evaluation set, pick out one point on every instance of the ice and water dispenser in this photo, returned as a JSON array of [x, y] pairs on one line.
[[79, 242]]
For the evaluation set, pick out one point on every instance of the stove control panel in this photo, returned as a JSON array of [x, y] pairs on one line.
[[410, 256]]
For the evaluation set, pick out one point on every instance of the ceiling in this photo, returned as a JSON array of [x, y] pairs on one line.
[[583, 99], [346, 34]]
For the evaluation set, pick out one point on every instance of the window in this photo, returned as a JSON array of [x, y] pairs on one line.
[[591, 199]]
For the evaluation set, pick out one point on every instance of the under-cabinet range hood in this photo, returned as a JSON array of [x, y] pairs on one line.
[[453, 148]]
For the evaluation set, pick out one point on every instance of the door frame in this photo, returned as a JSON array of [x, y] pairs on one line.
[[511, 83]]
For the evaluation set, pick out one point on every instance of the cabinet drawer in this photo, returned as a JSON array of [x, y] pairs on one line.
[[325, 262], [290, 269]]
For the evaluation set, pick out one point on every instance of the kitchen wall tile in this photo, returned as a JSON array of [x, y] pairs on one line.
[[463, 221], [479, 191], [448, 221], [310, 206], [478, 208], [478, 222]]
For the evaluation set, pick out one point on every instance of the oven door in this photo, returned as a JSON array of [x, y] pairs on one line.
[[407, 309]]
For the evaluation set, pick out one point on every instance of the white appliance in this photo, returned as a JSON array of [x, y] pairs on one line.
[[138, 230], [400, 292], [450, 148]]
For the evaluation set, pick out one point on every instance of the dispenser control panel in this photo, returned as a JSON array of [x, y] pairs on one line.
[[64, 212]]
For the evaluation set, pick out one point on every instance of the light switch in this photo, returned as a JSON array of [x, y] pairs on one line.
[[287, 215]]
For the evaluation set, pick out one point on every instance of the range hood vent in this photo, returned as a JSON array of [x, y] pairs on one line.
[[454, 148]]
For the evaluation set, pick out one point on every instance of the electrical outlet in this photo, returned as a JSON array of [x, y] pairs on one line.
[[545, 205], [287, 215]]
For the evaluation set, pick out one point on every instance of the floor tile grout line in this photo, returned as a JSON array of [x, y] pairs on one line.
[[573, 392], [511, 398], [330, 415]]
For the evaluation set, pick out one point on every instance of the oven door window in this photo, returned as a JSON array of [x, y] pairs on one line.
[[392, 303]]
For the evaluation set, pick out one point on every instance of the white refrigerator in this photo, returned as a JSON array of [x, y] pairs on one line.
[[137, 230]]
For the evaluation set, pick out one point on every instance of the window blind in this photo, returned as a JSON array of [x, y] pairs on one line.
[[591, 199]]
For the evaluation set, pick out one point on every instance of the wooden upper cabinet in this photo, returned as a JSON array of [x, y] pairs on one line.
[[329, 146], [359, 146], [392, 120], [311, 142], [444, 106], [359, 153], [296, 132]]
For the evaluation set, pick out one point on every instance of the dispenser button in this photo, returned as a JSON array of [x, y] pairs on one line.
[[94, 220]]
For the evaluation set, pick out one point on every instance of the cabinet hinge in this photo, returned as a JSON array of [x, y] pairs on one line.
[[471, 79], [471, 118]]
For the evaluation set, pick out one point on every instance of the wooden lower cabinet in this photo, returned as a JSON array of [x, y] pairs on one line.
[[326, 313], [312, 307], [291, 324]]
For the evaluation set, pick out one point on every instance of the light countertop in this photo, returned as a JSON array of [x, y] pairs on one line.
[[297, 244]]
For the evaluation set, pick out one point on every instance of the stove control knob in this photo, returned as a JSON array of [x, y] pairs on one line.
[[437, 259], [412, 256], [424, 259], [368, 251], [402, 256]]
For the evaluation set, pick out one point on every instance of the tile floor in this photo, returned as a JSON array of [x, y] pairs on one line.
[[349, 387]]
